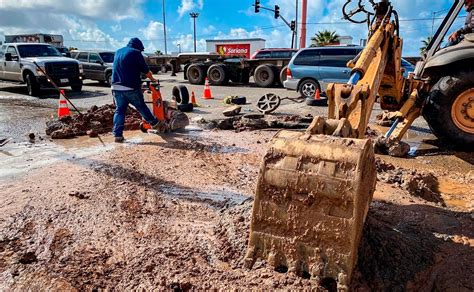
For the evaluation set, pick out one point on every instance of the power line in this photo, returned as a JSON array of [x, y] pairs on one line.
[[258, 28], [169, 37], [401, 20]]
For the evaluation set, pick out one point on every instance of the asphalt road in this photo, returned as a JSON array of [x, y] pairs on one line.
[[21, 114]]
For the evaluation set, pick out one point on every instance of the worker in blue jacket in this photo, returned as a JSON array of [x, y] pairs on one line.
[[129, 64]]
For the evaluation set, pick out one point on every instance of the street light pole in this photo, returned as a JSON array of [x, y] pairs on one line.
[[296, 21], [164, 27], [194, 15]]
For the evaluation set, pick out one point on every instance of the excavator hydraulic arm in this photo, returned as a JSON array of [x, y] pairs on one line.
[[314, 188]]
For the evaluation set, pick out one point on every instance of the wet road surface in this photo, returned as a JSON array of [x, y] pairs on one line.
[[21, 115]]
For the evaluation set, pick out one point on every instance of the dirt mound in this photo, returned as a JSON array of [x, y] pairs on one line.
[[257, 122], [97, 120], [401, 250], [423, 185], [232, 232]]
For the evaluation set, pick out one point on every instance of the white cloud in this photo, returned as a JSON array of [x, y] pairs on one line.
[[209, 29], [97, 9], [75, 20], [153, 31], [153, 36], [186, 41], [189, 5]]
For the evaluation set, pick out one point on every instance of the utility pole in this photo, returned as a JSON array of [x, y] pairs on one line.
[[194, 15], [164, 27], [303, 24], [296, 22]]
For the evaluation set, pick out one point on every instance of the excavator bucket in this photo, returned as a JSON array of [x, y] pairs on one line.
[[311, 202]]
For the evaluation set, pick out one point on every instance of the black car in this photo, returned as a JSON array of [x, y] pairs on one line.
[[97, 64]]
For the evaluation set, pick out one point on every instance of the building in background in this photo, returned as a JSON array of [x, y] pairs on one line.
[[235, 47], [343, 41], [346, 40]]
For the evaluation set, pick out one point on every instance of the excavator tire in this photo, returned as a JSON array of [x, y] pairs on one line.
[[449, 110], [312, 198]]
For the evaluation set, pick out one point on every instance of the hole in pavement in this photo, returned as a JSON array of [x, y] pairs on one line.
[[306, 275], [281, 269], [329, 284]]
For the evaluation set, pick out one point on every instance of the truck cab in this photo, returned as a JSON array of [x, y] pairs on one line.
[[27, 63]]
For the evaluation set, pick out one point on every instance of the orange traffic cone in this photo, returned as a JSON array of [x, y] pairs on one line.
[[63, 109], [317, 95], [193, 100], [207, 91]]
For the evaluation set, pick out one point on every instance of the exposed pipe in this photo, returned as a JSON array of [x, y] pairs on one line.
[[303, 24]]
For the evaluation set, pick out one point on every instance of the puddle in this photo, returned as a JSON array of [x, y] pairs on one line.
[[222, 197], [18, 158], [456, 195]]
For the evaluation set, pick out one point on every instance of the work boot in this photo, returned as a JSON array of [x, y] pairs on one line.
[[119, 139], [161, 126]]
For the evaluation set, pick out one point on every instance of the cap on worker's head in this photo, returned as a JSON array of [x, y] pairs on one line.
[[137, 44]]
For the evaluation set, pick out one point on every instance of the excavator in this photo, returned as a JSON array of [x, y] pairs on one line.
[[315, 187]]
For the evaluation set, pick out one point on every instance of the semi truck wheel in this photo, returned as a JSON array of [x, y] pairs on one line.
[[283, 76], [264, 75], [32, 85], [217, 74], [196, 74], [449, 110]]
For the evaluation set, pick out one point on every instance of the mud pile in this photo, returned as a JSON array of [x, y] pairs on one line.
[[400, 252], [258, 121], [97, 120], [232, 231], [419, 184]]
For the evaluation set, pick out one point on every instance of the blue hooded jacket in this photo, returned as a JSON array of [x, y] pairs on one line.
[[129, 63]]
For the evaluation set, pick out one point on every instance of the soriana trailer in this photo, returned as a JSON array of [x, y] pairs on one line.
[[52, 39]]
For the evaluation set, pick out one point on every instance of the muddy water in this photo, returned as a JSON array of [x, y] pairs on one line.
[[21, 157]]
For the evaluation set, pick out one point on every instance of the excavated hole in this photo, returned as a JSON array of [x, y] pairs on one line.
[[306, 275], [329, 284], [281, 269]]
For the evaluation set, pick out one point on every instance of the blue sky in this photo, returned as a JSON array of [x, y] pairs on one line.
[[109, 24]]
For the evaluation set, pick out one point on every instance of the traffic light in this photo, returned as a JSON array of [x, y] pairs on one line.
[[293, 25], [277, 11], [257, 6]]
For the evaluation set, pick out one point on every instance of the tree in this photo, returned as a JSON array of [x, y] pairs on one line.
[[325, 38], [72, 49], [159, 53], [426, 42]]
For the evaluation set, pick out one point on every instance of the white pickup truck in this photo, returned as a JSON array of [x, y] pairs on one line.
[[17, 64]]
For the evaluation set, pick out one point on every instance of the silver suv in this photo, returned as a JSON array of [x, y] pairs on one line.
[[19, 63], [97, 64]]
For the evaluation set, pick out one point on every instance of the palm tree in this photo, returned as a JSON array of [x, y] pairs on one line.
[[426, 42], [325, 38]]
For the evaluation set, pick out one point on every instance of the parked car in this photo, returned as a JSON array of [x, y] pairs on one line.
[[274, 54], [97, 64], [18, 64], [64, 51], [312, 69]]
